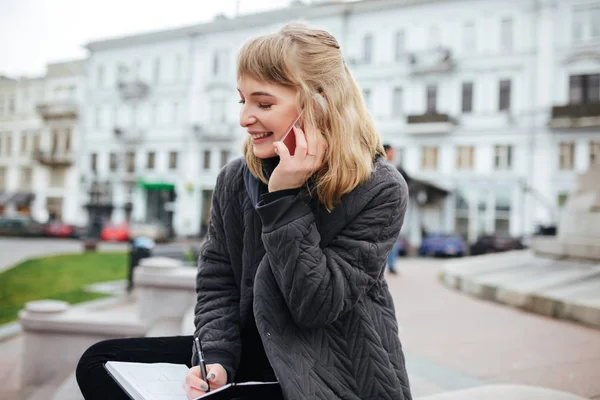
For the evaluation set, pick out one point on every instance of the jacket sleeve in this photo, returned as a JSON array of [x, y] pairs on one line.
[[321, 284], [217, 315]]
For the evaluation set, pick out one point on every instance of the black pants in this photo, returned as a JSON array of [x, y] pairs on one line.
[[96, 383]]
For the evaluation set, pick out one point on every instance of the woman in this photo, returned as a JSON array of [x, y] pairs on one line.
[[291, 277]]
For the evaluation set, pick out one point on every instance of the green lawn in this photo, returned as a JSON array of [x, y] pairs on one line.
[[57, 277]]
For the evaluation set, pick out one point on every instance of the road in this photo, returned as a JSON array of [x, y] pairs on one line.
[[453, 341]]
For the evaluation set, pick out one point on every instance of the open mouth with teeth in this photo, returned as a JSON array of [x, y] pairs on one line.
[[261, 135]]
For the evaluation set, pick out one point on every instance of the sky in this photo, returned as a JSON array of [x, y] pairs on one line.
[[35, 32]]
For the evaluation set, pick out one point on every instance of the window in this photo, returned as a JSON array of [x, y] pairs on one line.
[[595, 15], [220, 60], [431, 99], [11, 105], [122, 71], [216, 65], [469, 37], [562, 199], [68, 139], [219, 110], [94, 162], [100, 76], [178, 67], [112, 162], [150, 160], [567, 156], [464, 157], [400, 44], [36, 142], [24, 135], [397, 109], [224, 157], [2, 177], [153, 114], [584, 89], [433, 38], [504, 95], [26, 179], [368, 48], [156, 72], [503, 157], [577, 23], [136, 69], [594, 153], [173, 160], [467, 97], [506, 35], [175, 117], [54, 139], [429, 158], [8, 144], [367, 97], [130, 162], [57, 177], [206, 159], [98, 118]]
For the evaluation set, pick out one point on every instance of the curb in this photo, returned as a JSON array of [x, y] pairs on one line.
[[461, 279]]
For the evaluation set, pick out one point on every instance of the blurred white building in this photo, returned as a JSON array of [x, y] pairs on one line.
[[38, 140], [495, 102]]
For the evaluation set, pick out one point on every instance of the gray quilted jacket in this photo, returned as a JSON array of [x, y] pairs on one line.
[[315, 282]]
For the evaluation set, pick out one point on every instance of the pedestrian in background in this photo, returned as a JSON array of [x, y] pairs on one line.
[[390, 154]]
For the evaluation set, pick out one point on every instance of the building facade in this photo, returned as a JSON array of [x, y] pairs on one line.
[[38, 141], [494, 101]]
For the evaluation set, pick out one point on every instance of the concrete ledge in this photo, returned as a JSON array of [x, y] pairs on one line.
[[504, 392], [566, 289], [566, 248]]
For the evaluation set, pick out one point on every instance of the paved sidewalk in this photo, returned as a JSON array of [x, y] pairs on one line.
[[489, 342], [455, 342]]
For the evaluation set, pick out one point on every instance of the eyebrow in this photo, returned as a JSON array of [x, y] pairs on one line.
[[259, 93]]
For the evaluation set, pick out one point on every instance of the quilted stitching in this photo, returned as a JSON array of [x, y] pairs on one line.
[[321, 304]]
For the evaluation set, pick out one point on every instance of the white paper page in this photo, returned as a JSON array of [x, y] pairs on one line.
[[160, 381]]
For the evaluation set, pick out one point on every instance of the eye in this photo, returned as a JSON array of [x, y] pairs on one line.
[[266, 106], [241, 101]]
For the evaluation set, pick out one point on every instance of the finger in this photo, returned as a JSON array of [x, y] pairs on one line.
[[301, 148], [195, 382], [216, 376], [281, 150]]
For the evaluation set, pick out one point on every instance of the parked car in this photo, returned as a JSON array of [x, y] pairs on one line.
[[19, 225], [115, 232], [439, 244], [59, 229], [495, 243], [402, 246], [155, 230]]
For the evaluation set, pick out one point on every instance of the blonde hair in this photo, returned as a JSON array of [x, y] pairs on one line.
[[310, 61]]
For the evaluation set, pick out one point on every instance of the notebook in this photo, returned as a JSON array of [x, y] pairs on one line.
[[163, 381]]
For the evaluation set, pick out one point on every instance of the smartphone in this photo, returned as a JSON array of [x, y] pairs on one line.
[[289, 139]]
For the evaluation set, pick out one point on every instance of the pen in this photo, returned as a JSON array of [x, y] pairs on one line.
[[201, 362]]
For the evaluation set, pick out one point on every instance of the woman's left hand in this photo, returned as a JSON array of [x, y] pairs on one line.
[[293, 171]]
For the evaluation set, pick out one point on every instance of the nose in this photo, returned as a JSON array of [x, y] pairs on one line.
[[246, 117]]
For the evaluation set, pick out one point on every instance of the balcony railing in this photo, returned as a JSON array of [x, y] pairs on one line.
[[576, 116], [431, 61], [53, 159], [133, 90], [129, 136], [215, 131], [57, 110], [430, 123]]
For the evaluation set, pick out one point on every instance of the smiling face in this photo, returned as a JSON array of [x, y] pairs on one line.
[[268, 110]]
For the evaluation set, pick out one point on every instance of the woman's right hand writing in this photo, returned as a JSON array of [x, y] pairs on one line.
[[195, 386]]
